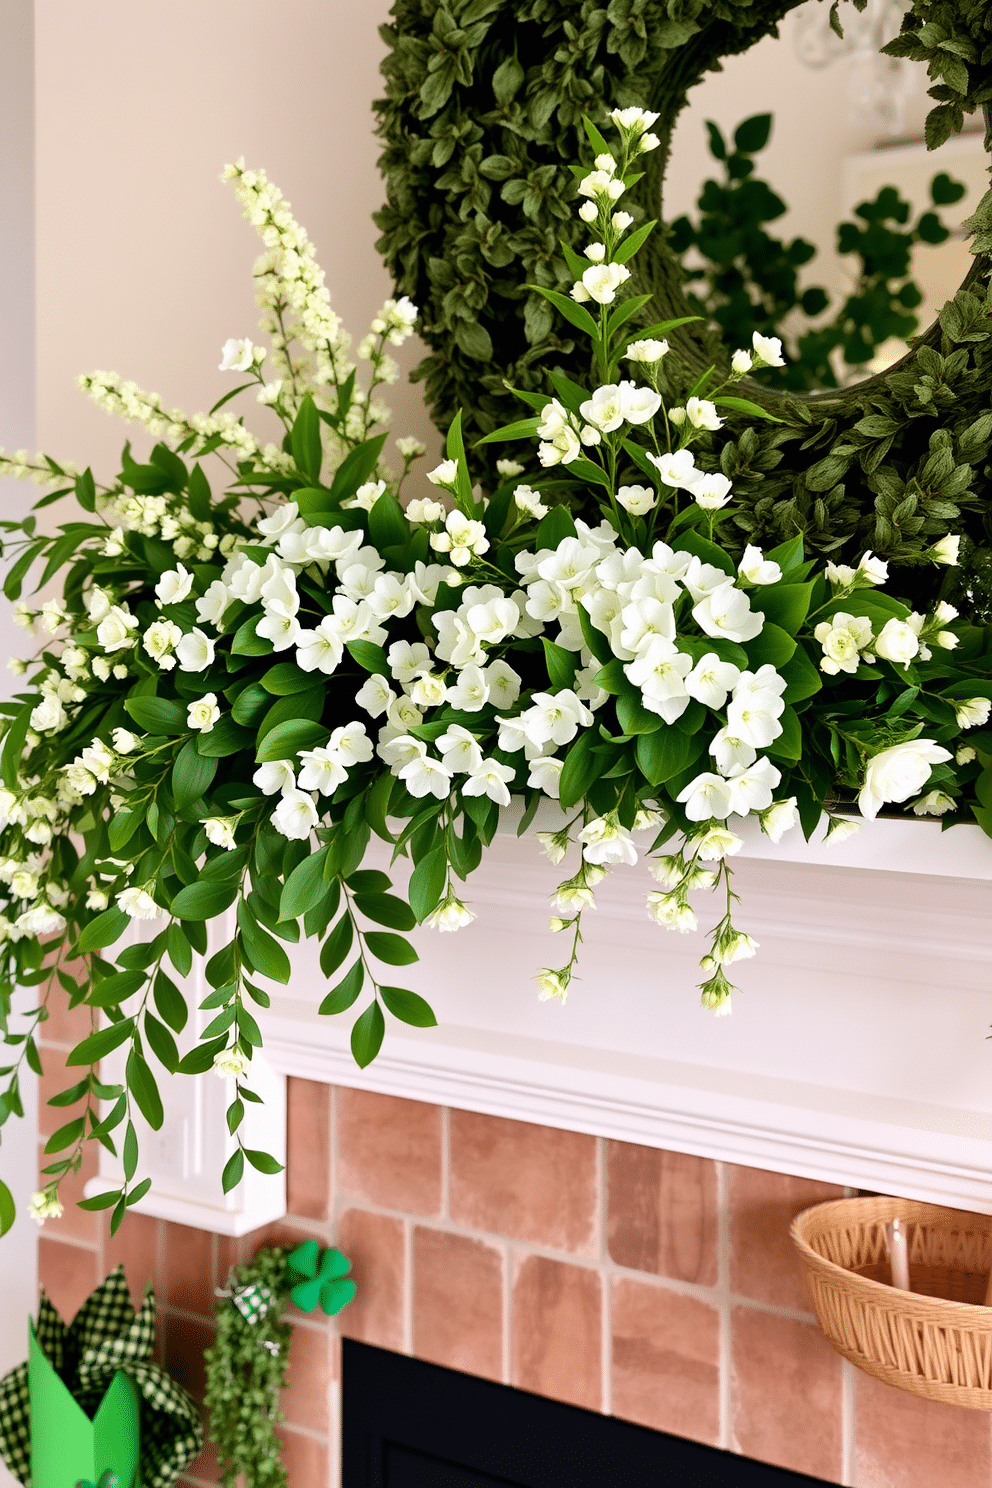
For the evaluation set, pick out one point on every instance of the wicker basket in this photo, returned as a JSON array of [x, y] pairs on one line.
[[936, 1340]]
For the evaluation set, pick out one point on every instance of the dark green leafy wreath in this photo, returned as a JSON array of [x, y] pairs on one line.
[[481, 119]]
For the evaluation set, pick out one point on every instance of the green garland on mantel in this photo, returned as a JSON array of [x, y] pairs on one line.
[[482, 115]]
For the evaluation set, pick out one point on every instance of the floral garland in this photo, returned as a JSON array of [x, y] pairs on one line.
[[242, 698]]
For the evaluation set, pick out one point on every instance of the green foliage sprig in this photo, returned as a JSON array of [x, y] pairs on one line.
[[247, 1369], [483, 108]]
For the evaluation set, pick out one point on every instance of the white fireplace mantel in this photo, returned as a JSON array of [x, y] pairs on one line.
[[856, 1052]]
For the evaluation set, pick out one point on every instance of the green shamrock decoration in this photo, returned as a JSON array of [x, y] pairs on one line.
[[326, 1283]]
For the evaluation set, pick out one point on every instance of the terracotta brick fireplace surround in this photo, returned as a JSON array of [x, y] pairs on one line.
[[657, 1287]]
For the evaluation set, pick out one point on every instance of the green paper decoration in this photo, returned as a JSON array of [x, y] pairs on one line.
[[65, 1442], [326, 1283], [89, 1401], [481, 121]]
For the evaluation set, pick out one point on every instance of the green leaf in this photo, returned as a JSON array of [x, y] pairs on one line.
[[630, 245], [337, 945], [370, 656], [744, 405], [138, 1193], [287, 739], [286, 678], [521, 429], [386, 909], [408, 1007], [248, 643], [305, 442], [192, 775], [560, 664], [774, 646], [304, 885], [141, 1083], [388, 527], [666, 752], [224, 738], [104, 1041], [161, 1042], [180, 955], [262, 1162], [597, 642], [129, 1151], [346, 992], [233, 1171], [170, 1002], [104, 930], [789, 744], [354, 470], [634, 718], [157, 715], [427, 883], [392, 949], [66, 1135], [785, 605], [266, 954], [803, 677], [8, 1210], [101, 1200], [366, 1036], [201, 1057], [123, 827], [115, 989], [575, 314], [581, 768], [369, 881], [754, 134], [204, 901]]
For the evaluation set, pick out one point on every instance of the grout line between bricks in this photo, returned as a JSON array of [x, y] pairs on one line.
[[606, 1284], [446, 1162], [507, 1312], [408, 1286], [847, 1468], [724, 1304]]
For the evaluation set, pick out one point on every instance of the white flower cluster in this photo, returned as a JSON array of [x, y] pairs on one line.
[[126, 400], [21, 467]]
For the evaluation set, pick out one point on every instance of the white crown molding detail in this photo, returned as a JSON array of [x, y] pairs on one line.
[[856, 1053]]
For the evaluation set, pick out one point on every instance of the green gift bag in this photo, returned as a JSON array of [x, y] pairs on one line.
[[89, 1401]]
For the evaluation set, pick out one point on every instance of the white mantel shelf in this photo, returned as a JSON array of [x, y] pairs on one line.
[[856, 1051]]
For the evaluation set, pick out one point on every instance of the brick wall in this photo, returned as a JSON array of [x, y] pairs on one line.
[[659, 1287]]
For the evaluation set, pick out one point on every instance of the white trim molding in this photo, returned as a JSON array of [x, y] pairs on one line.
[[855, 1053]]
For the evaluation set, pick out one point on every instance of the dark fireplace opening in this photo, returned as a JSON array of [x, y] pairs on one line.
[[407, 1424]]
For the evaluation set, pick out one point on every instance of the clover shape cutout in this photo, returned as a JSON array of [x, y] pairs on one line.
[[320, 1278]]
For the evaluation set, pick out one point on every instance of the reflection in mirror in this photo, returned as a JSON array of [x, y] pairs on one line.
[[822, 219]]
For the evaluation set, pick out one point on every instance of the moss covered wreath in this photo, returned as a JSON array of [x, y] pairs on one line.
[[484, 107]]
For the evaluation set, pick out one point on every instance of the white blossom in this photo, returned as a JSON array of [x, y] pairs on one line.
[[648, 351], [230, 1063], [741, 362], [160, 640], [296, 815], [424, 776], [220, 831], [275, 776], [706, 797], [727, 612], [896, 773], [779, 818], [195, 651], [711, 679], [528, 501], [945, 550], [756, 568], [44, 1205], [238, 356], [605, 841], [702, 414], [175, 585], [637, 500], [844, 639], [490, 778], [767, 350], [321, 771], [139, 904], [203, 713], [424, 511], [544, 773], [898, 641], [116, 630], [451, 914], [972, 712], [935, 803], [445, 474]]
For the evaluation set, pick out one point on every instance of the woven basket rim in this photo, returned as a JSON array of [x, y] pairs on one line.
[[880, 1291]]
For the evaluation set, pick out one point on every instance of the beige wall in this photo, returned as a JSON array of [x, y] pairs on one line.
[[143, 260]]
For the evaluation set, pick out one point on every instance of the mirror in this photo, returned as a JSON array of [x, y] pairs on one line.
[[764, 242]]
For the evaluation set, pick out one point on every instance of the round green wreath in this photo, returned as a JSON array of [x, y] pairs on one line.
[[483, 114]]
